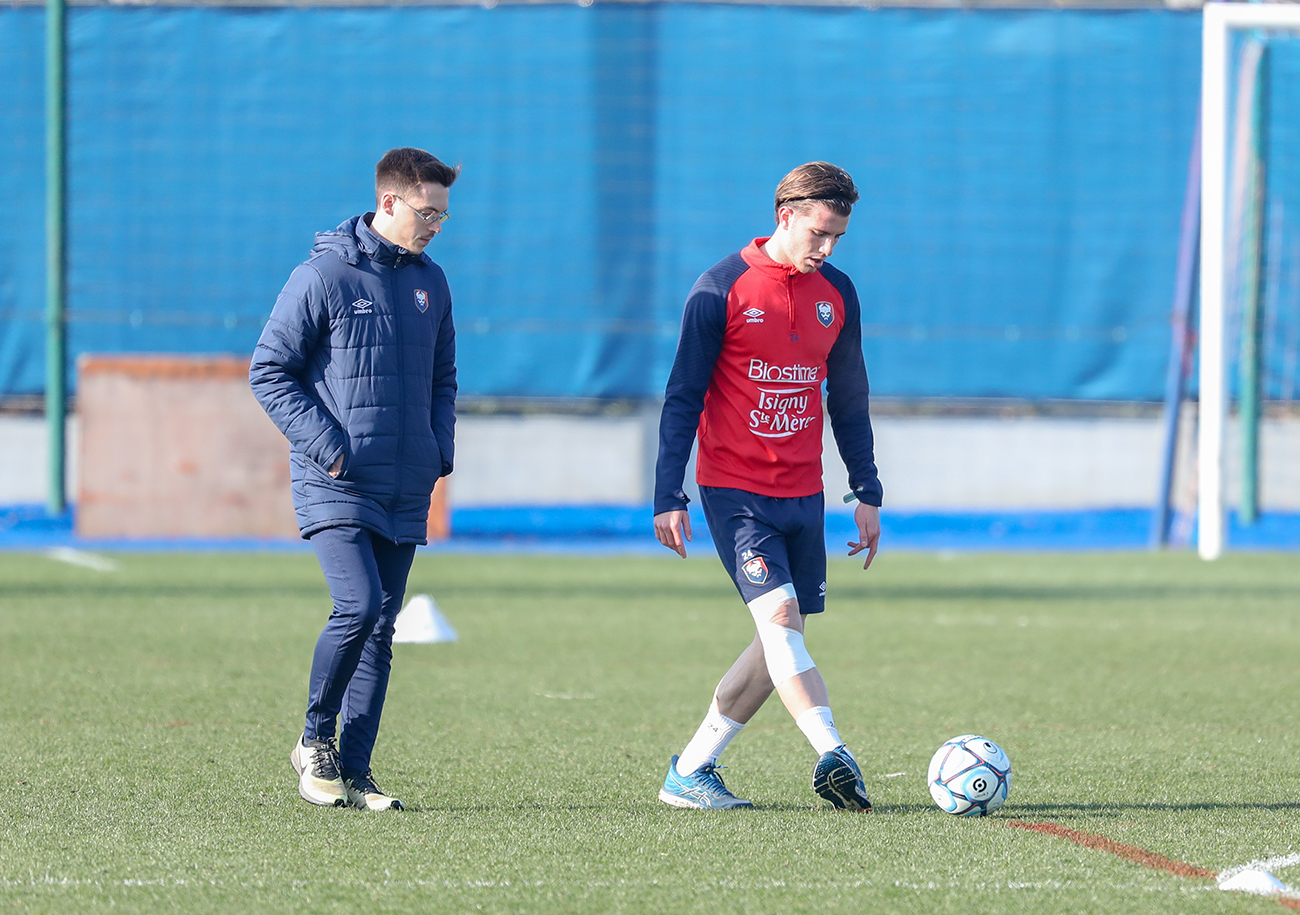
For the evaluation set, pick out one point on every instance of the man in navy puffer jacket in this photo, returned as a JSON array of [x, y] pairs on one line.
[[357, 367]]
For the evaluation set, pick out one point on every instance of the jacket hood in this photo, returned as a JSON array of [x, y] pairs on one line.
[[354, 237]]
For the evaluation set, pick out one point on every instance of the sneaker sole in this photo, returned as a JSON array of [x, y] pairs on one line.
[[395, 805], [838, 785], [320, 800], [359, 802], [675, 800]]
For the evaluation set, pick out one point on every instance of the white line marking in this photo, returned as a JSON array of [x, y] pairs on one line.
[[571, 697], [1257, 877], [942, 885], [81, 558], [1265, 864]]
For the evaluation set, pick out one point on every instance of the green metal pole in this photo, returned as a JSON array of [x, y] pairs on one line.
[[1252, 276], [55, 252]]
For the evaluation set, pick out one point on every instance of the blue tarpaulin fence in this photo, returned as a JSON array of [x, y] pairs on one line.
[[1022, 175]]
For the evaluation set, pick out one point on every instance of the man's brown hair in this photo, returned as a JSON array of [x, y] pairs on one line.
[[404, 169], [818, 182]]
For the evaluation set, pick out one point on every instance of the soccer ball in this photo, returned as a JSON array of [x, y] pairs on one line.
[[969, 776]]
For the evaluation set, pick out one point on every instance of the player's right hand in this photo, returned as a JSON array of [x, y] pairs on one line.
[[673, 529]]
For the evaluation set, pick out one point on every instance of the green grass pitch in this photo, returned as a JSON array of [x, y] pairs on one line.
[[148, 714]]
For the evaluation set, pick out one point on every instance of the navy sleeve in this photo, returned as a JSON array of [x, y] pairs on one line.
[[279, 362], [848, 397], [703, 322], [443, 416]]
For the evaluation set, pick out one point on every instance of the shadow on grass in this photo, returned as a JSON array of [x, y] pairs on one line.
[[1067, 811], [309, 587], [1074, 591], [212, 590], [1018, 812], [1040, 811]]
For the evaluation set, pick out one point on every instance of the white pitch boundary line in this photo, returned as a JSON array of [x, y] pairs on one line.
[[1019, 886], [83, 559], [568, 697], [1265, 866]]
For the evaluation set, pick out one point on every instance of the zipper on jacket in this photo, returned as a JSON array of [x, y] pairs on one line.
[[789, 304], [401, 405]]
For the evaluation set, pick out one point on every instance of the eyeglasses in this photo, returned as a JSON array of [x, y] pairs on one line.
[[429, 218]]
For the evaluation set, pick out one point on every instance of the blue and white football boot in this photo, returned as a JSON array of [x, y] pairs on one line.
[[702, 789], [837, 778]]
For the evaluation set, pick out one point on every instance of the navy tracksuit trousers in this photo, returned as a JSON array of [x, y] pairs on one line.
[[366, 574]]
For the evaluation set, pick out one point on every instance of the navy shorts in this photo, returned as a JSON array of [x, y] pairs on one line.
[[766, 542]]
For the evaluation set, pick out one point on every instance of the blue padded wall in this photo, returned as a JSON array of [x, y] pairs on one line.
[[1022, 176]]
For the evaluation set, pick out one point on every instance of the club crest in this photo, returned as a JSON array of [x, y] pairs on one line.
[[756, 570], [825, 314], [421, 300]]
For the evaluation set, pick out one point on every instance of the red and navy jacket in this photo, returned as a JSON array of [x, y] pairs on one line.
[[758, 341]]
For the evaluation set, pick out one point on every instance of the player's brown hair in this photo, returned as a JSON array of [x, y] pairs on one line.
[[818, 182]]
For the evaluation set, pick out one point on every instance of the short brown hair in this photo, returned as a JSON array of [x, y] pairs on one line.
[[406, 168], [818, 182]]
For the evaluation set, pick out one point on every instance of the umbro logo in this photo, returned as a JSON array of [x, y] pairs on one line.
[[754, 315], [363, 307]]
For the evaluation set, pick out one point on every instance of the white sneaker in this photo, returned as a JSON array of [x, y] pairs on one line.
[[364, 794], [317, 765]]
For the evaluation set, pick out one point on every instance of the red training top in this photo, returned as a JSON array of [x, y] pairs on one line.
[[758, 341]]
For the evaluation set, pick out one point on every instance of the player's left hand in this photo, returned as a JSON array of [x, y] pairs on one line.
[[867, 518]]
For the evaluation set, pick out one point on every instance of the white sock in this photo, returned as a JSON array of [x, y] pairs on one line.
[[819, 727], [715, 732]]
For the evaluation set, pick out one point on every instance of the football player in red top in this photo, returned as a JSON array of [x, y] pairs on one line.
[[763, 331]]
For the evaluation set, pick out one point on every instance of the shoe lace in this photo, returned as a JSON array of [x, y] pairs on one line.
[[365, 783], [325, 761], [709, 775]]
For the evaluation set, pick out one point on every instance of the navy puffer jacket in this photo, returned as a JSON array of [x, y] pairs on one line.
[[359, 359]]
